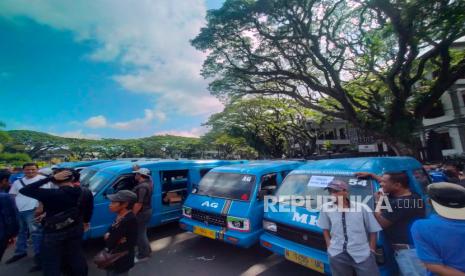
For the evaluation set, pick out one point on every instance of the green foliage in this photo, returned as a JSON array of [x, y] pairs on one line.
[[14, 159], [234, 147], [40, 145], [273, 127]]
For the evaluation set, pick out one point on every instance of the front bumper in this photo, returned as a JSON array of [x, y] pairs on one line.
[[241, 239], [279, 246]]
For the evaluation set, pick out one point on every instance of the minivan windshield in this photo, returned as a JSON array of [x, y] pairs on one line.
[[85, 176], [98, 181], [227, 185], [314, 185]]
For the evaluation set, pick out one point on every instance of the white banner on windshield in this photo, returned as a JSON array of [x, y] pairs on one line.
[[320, 181]]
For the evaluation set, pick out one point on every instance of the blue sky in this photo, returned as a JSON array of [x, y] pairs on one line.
[[103, 68]]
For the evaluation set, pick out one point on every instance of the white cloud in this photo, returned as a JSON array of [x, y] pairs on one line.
[[135, 124], [149, 39], [139, 123], [96, 122], [78, 134], [194, 132]]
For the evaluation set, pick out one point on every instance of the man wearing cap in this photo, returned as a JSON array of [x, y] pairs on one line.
[[143, 211], [439, 239], [122, 235], [345, 227]]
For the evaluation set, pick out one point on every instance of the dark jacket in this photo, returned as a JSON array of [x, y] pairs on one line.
[[59, 200], [123, 236]]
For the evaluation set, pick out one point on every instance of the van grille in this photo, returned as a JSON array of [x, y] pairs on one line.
[[300, 236], [209, 218]]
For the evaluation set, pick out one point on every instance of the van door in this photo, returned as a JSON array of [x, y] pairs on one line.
[[102, 218], [174, 190], [267, 186]]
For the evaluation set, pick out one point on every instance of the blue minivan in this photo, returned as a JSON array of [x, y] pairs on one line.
[[88, 172], [172, 179], [293, 232], [227, 205]]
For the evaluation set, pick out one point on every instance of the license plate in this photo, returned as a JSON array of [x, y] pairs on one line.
[[205, 232], [305, 261]]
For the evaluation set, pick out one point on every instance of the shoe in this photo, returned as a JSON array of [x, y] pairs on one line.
[[35, 268], [15, 258], [140, 260]]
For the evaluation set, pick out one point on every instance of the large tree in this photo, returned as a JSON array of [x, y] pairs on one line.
[[379, 64], [270, 125]]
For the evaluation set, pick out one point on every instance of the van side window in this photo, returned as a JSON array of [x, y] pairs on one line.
[[203, 172], [174, 186], [269, 183], [124, 182], [422, 178]]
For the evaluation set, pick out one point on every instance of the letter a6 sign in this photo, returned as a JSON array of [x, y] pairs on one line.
[[210, 204]]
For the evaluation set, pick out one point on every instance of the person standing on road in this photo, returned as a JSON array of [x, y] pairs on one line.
[[396, 219], [63, 226], [122, 235], [29, 209], [143, 211], [9, 225], [345, 227], [439, 239]]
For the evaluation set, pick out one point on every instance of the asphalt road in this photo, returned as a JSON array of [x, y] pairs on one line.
[[176, 252]]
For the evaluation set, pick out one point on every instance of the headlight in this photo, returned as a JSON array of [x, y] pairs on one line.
[[239, 224], [270, 226], [187, 211]]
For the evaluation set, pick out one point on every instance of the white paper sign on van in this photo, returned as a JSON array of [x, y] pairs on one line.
[[319, 181]]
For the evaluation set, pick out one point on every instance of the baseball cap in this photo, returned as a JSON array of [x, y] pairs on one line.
[[448, 199], [338, 185], [46, 171], [123, 196], [143, 171]]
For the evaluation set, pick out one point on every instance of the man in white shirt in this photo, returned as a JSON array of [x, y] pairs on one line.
[[350, 232], [28, 210]]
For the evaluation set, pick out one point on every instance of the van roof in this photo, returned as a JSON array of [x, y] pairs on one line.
[[127, 166], [258, 167], [376, 165], [78, 164], [109, 164]]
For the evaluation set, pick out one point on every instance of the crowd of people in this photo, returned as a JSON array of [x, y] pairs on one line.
[[421, 246], [54, 211]]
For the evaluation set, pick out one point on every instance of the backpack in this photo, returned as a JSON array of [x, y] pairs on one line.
[[9, 216], [73, 216]]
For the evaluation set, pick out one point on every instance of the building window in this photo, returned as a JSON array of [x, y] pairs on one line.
[[436, 111], [445, 140], [342, 133]]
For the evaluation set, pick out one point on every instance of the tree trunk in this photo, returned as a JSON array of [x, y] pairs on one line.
[[401, 148]]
